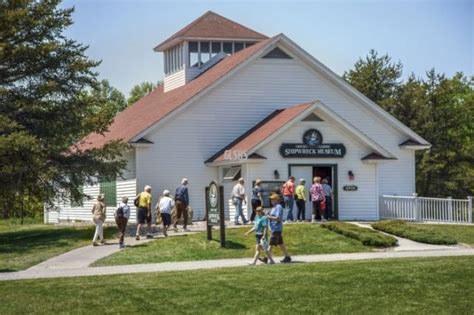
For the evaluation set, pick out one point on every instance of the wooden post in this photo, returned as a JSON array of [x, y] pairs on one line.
[[450, 209], [222, 215], [469, 208], [416, 208], [209, 228]]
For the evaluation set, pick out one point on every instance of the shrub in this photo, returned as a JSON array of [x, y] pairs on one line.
[[415, 232], [367, 236]]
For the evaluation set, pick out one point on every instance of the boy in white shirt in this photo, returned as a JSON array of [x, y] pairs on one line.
[[165, 205]]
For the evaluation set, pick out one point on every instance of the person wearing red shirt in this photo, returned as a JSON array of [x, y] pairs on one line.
[[288, 191]]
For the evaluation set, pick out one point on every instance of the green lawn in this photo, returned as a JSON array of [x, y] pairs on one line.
[[429, 233], [22, 246], [396, 286], [299, 238]]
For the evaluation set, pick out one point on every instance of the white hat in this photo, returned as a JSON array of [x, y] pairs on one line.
[[302, 180], [147, 187], [166, 192], [184, 181]]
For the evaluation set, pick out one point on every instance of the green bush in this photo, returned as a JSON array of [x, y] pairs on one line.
[[367, 236], [415, 232]]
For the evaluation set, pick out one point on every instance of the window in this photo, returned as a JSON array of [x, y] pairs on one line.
[[193, 54], [108, 187], [238, 47], [205, 52], [233, 173], [215, 48], [228, 48]]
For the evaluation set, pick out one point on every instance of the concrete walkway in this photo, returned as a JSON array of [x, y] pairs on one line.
[[405, 244], [220, 263], [76, 263]]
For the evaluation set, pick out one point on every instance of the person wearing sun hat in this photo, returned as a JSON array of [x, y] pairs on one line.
[[276, 225], [98, 216]]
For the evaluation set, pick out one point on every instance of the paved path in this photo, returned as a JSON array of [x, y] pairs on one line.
[[76, 262], [405, 244], [220, 263]]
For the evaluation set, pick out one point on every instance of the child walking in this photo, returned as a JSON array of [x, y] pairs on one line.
[[260, 227]]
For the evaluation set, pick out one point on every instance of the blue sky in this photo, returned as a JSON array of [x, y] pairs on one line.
[[420, 33]]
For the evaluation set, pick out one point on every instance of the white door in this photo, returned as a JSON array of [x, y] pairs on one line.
[[305, 172]]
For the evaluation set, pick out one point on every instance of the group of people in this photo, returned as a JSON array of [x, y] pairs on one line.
[[143, 202], [320, 194]]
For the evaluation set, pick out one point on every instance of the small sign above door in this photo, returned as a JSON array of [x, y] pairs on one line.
[[312, 147]]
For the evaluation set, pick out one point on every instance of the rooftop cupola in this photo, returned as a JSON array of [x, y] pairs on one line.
[[200, 45]]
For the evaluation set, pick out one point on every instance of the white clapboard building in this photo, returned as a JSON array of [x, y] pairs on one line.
[[237, 103]]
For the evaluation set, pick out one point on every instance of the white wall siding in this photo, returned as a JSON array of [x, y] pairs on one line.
[[360, 204], [398, 177], [66, 212], [130, 171], [182, 144], [174, 80]]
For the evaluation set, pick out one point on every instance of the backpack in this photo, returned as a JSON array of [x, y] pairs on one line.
[[136, 201], [120, 212]]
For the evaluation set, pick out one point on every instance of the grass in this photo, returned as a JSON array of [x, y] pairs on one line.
[[299, 238], [417, 232], [396, 286], [22, 246], [367, 236]]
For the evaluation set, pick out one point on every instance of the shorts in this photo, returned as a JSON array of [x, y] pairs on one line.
[[276, 238], [142, 216], [166, 218], [258, 238]]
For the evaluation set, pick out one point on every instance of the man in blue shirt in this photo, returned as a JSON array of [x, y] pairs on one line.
[[181, 199], [276, 225]]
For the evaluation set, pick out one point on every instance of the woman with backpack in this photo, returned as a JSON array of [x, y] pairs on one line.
[[122, 214], [318, 199]]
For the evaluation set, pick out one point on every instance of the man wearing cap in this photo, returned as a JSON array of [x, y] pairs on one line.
[[144, 211], [301, 194], [276, 225], [165, 205], [181, 197]]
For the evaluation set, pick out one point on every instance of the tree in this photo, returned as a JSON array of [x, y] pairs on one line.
[[115, 101], [376, 77], [49, 99], [439, 109], [448, 168], [140, 90]]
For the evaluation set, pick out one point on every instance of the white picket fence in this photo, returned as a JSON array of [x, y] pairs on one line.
[[425, 209]]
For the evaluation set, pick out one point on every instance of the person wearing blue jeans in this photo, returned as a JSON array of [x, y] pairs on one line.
[[288, 191], [238, 198]]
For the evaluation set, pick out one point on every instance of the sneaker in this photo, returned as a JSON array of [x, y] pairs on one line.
[[165, 233], [287, 259], [121, 246], [272, 262], [95, 244], [137, 237], [102, 242], [265, 260]]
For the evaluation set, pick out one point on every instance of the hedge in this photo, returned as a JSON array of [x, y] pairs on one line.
[[415, 232], [367, 236]]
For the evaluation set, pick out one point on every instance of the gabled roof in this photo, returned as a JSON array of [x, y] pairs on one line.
[[282, 119], [157, 104], [211, 26], [261, 131]]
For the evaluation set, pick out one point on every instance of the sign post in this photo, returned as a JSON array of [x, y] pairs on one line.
[[215, 210]]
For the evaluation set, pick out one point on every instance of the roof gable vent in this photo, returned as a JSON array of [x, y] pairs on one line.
[[312, 117], [277, 53]]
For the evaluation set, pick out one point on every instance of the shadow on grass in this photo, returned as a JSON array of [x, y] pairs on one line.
[[7, 270], [231, 244], [38, 239]]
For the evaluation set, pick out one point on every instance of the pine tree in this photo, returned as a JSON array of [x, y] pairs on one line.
[[48, 101]]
